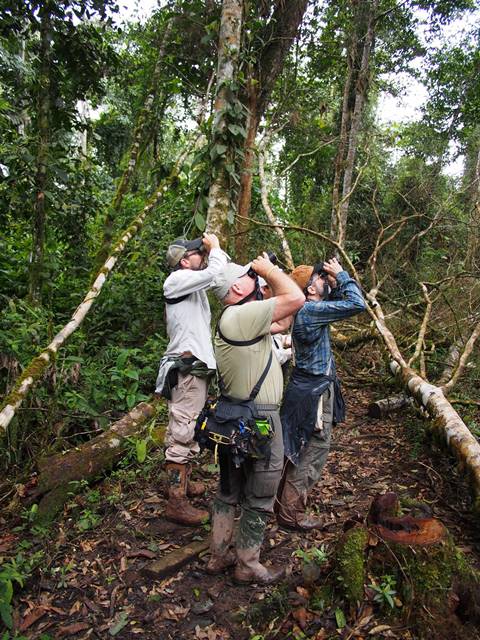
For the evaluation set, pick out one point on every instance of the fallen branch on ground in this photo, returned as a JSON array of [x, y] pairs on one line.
[[87, 461]]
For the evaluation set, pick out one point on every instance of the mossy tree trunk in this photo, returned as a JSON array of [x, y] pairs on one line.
[[219, 201], [37, 264], [358, 82]]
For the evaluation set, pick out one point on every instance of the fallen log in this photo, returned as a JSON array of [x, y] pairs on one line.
[[381, 408], [176, 559], [87, 461], [347, 341], [446, 422]]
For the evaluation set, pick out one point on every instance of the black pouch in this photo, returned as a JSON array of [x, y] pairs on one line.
[[236, 429], [231, 426]]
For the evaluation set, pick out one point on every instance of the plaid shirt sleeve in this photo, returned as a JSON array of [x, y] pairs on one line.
[[348, 302]]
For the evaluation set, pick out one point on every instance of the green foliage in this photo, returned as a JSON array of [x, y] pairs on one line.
[[318, 555], [15, 571], [385, 590]]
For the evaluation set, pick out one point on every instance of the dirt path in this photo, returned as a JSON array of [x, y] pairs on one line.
[[92, 581]]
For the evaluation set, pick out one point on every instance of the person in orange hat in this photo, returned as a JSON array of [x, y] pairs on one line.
[[313, 401]]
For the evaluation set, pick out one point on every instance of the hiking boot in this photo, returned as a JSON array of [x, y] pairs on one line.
[[223, 521], [291, 512], [179, 509], [195, 489]]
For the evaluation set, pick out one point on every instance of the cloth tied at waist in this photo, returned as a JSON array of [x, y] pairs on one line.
[[171, 366], [299, 409]]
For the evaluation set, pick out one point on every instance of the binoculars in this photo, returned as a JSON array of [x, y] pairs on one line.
[[273, 259]]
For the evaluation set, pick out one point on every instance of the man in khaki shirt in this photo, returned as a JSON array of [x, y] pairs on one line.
[[253, 485]]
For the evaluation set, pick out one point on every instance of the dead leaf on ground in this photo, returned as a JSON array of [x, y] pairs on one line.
[[174, 613], [303, 592], [302, 616], [153, 500], [32, 617], [71, 629], [7, 541]]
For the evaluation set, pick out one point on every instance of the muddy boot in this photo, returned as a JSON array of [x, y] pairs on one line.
[[291, 513], [221, 557], [194, 488], [179, 508], [249, 569]]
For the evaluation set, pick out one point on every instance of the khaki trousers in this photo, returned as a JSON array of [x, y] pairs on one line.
[[188, 398]]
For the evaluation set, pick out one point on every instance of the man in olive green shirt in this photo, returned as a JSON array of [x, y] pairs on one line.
[[254, 484]]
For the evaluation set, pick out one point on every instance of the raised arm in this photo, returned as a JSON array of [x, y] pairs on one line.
[[186, 281], [287, 295]]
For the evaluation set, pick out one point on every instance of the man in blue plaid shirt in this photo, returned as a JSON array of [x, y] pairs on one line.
[[313, 401]]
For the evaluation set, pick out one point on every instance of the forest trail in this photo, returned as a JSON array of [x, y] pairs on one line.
[[93, 582]]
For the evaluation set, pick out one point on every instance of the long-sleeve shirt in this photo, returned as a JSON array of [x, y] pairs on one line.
[[188, 321], [311, 330]]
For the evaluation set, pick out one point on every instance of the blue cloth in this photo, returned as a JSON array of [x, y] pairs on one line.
[[313, 358], [311, 331], [299, 410]]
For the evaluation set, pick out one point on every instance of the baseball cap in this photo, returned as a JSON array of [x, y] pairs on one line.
[[224, 280], [179, 248]]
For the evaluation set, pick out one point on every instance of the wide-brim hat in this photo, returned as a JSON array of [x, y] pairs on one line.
[[301, 275]]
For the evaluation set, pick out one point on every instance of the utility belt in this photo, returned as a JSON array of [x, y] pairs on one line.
[[238, 430], [234, 427]]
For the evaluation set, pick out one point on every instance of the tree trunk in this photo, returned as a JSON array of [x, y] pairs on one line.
[[340, 156], [89, 459], [219, 203], [246, 177], [279, 34], [268, 210], [451, 363], [382, 408], [366, 38], [134, 153], [446, 422], [472, 259], [37, 266]]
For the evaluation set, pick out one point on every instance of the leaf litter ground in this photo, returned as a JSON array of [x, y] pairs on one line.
[[93, 581]]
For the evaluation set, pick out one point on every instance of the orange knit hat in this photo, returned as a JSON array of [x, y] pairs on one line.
[[301, 275]]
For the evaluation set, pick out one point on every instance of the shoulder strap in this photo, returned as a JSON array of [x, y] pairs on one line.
[[176, 300], [256, 388]]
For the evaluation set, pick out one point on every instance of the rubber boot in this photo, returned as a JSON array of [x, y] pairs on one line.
[[179, 508], [291, 513], [249, 569], [221, 556]]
